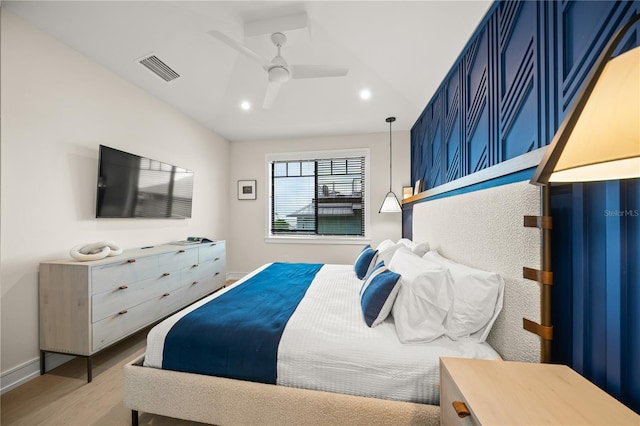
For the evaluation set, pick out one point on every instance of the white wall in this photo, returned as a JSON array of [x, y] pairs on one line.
[[247, 248], [57, 107]]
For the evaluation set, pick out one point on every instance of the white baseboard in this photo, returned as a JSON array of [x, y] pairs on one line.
[[24, 372], [235, 275]]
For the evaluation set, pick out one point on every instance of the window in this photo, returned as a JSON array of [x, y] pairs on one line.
[[318, 196]]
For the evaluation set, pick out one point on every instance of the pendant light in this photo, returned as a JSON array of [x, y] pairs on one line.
[[390, 203]]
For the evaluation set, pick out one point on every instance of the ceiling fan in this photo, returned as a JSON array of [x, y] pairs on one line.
[[278, 70]]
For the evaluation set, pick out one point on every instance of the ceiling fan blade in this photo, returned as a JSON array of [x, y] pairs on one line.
[[316, 71], [272, 93], [265, 63]]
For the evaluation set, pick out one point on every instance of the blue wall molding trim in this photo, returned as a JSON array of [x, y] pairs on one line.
[[514, 165]]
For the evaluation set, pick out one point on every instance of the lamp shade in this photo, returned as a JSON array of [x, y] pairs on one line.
[[390, 204], [600, 137]]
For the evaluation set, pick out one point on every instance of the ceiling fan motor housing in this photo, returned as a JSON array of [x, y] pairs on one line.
[[278, 74]]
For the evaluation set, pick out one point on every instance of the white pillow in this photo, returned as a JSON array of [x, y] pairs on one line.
[[418, 248], [407, 263], [384, 245], [422, 304], [478, 297], [386, 255], [424, 299]]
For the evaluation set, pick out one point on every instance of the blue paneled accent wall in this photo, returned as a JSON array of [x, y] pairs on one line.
[[596, 292], [505, 96]]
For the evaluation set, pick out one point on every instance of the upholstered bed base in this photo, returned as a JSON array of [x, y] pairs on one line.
[[488, 234], [222, 401]]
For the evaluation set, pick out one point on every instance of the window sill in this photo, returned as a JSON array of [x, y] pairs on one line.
[[308, 239]]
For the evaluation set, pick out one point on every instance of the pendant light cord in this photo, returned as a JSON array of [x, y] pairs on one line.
[[390, 120]]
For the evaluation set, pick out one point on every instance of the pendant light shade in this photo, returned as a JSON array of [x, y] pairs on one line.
[[600, 136], [390, 203]]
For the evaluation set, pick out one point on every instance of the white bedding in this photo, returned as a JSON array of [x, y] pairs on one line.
[[327, 346]]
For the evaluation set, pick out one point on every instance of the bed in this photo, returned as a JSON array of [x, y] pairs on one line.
[[339, 385]]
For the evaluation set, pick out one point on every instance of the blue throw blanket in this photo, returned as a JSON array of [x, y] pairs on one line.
[[236, 335]]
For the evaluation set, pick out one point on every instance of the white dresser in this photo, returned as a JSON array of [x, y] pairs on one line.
[[87, 306]]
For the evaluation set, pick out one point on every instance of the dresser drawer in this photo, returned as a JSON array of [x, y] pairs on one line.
[[178, 259], [125, 272], [127, 296], [195, 291], [113, 327], [208, 269], [202, 271], [211, 251], [190, 274]]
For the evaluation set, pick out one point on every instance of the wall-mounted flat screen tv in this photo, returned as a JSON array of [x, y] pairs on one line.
[[130, 186]]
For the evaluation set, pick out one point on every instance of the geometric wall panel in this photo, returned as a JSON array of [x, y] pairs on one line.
[[452, 125], [583, 28], [476, 103], [519, 96]]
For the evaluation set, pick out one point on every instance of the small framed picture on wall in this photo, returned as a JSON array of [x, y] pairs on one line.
[[246, 190], [418, 187], [407, 192]]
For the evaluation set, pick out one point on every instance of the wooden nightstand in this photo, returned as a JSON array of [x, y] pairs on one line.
[[517, 393]]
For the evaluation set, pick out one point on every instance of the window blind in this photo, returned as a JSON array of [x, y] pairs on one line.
[[318, 197]]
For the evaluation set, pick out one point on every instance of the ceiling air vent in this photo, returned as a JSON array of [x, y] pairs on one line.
[[159, 68]]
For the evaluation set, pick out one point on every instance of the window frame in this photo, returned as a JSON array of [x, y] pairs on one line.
[[318, 239]]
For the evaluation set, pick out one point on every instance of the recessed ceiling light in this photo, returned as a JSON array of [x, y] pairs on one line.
[[245, 105], [365, 94]]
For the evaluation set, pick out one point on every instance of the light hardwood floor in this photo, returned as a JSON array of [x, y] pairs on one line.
[[63, 396]]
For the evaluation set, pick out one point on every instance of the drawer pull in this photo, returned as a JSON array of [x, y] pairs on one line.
[[217, 258], [122, 312], [195, 282], [216, 274], [180, 251], [166, 294], [461, 409], [123, 287], [131, 261], [195, 266], [166, 274]]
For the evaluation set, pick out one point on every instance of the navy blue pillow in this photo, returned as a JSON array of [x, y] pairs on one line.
[[378, 294], [364, 260]]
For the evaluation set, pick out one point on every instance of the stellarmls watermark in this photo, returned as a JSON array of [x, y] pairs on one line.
[[622, 213]]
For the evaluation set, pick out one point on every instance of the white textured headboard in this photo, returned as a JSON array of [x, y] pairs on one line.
[[485, 229]]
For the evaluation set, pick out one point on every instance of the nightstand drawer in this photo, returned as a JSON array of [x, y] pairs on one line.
[[449, 393]]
